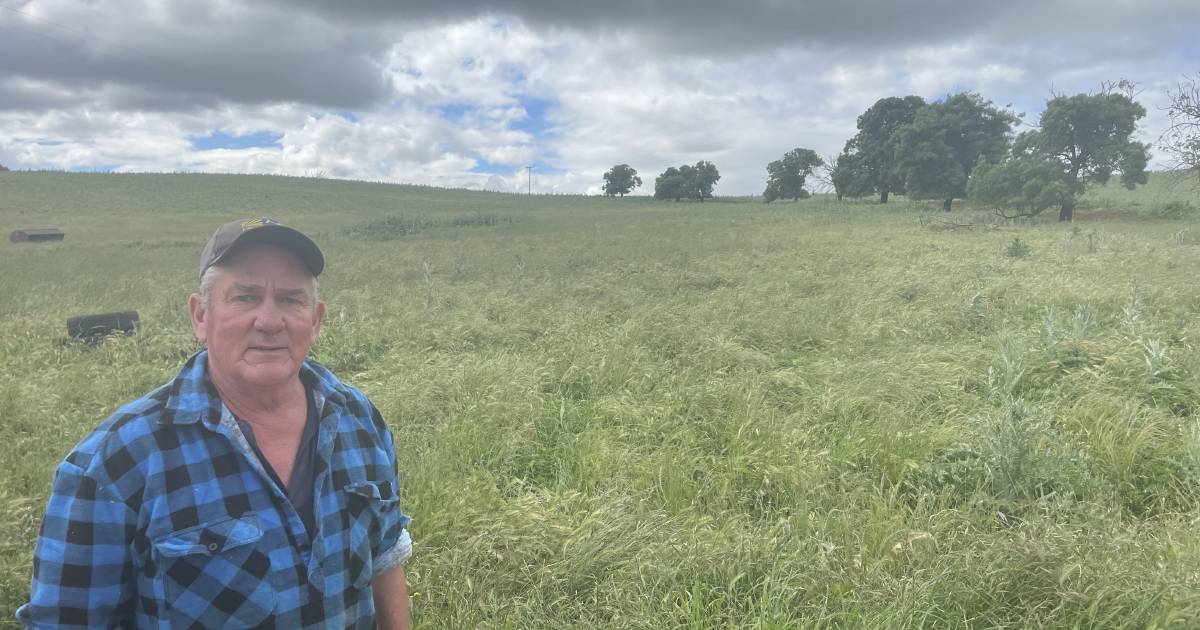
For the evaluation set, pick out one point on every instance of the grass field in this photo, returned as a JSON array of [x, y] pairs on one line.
[[630, 414]]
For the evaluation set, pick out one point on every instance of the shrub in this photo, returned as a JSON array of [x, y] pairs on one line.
[[399, 226], [1017, 249], [1174, 210]]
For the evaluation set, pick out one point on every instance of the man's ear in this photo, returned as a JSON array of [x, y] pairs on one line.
[[199, 314], [318, 318]]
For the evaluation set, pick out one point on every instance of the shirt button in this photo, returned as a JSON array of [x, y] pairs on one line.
[[213, 546]]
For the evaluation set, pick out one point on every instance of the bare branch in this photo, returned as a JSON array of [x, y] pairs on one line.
[[1018, 214], [1181, 139], [938, 223], [824, 175]]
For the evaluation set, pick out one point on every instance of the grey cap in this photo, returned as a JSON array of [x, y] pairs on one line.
[[261, 230]]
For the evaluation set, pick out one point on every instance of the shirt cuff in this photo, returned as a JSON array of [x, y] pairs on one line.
[[396, 556]]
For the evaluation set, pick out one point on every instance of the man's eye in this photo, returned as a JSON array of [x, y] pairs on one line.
[[245, 298], [292, 300]]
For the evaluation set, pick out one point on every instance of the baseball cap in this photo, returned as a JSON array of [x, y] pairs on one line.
[[261, 230]]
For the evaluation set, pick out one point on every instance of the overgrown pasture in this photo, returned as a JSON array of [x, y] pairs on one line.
[[637, 414]]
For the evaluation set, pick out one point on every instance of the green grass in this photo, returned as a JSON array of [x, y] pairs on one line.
[[623, 413]]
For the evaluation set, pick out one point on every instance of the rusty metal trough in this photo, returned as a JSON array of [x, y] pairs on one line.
[[36, 235]]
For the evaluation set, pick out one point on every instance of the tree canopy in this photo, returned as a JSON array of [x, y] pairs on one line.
[[785, 176], [870, 164], [847, 177], [671, 183], [1024, 184], [937, 151], [1091, 138], [620, 180], [687, 181]]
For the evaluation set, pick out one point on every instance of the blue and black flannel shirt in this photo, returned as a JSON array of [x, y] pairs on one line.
[[163, 517]]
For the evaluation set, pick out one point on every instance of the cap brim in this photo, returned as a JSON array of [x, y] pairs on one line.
[[292, 240]]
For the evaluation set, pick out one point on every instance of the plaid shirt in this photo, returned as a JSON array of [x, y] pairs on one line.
[[164, 518]]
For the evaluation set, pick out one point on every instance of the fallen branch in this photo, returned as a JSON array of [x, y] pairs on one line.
[[939, 224]]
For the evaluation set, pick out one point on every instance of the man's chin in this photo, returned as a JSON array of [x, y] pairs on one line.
[[270, 372]]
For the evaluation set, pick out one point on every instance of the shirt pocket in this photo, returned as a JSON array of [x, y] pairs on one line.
[[215, 575], [369, 506]]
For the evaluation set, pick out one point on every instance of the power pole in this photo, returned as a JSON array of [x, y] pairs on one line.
[[529, 180]]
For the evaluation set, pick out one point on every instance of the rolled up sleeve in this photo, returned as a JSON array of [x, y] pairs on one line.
[[396, 556]]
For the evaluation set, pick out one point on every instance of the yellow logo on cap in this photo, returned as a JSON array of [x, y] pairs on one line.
[[254, 223]]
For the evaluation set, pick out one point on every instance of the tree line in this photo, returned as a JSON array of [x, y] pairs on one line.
[[964, 146], [676, 183]]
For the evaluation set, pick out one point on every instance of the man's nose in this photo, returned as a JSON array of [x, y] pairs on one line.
[[269, 317]]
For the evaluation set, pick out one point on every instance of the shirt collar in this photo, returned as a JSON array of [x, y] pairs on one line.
[[192, 396]]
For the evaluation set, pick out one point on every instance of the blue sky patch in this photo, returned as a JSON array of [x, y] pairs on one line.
[[455, 111], [493, 168], [534, 122], [221, 140], [513, 73], [546, 169]]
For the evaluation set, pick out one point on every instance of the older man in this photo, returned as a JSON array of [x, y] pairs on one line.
[[254, 489]]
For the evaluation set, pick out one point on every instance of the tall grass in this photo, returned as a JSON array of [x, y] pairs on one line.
[[621, 413]]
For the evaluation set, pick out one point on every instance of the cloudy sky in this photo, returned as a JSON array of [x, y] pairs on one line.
[[466, 94]]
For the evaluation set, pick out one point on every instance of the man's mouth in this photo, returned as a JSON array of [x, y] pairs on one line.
[[268, 348]]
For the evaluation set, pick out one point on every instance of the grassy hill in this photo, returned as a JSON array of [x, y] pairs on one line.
[[624, 413]]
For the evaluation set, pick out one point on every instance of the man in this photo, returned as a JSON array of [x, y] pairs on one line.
[[253, 490]]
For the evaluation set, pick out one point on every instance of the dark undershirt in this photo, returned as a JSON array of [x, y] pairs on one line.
[[299, 489]]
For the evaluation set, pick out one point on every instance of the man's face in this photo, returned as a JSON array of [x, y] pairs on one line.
[[261, 319]]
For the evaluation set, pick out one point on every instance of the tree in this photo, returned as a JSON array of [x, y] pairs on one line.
[[1181, 140], [691, 182], [3, 168], [937, 151], [704, 177], [1090, 136], [848, 177], [871, 153], [785, 177], [1024, 184], [670, 184], [620, 180]]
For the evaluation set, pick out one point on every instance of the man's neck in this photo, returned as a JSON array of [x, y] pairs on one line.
[[272, 408]]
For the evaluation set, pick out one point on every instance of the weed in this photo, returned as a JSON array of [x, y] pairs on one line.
[[1017, 249]]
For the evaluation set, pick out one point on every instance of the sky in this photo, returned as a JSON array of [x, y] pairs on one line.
[[468, 94]]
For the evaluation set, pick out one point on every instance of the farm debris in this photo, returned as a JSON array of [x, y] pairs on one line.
[[36, 235], [95, 327]]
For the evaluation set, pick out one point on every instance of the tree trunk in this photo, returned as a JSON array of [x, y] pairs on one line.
[[1067, 212], [883, 195], [839, 196], [946, 204]]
